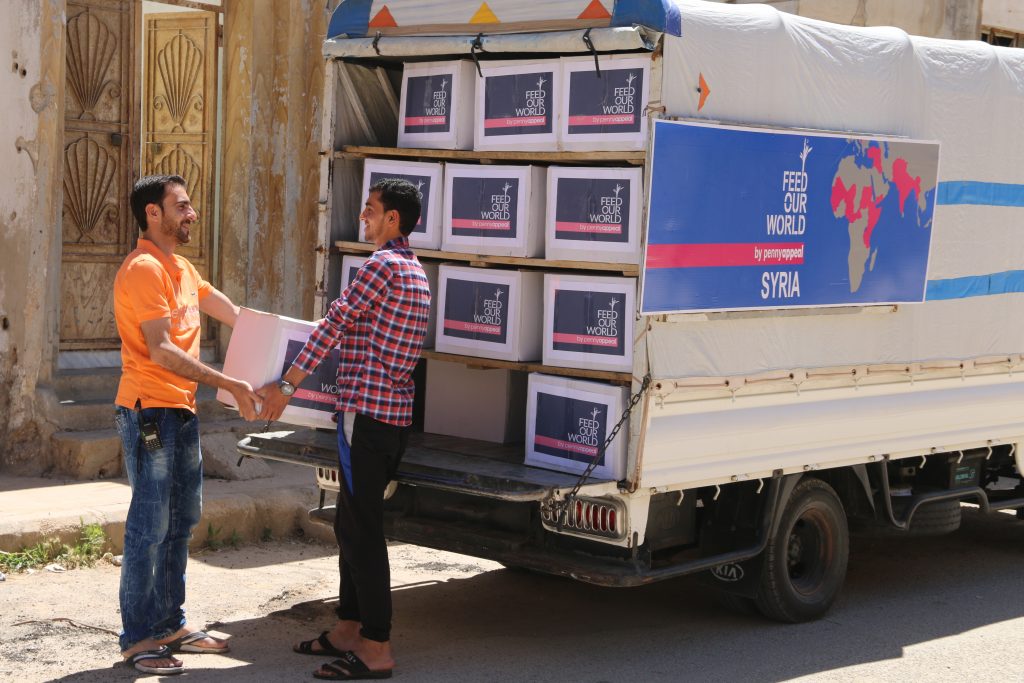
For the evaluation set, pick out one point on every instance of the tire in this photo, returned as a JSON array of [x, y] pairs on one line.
[[931, 519], [805, 561], [936, 519]]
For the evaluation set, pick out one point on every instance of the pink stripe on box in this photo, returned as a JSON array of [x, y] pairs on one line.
[[590, 340], [476, 224], [512, 122], [565, 445], [317, 396], [425, 121], [602, 228], [463, 326], [602, 120]]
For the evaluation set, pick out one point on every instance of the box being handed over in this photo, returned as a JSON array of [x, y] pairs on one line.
[[262, 348], [567, 421]]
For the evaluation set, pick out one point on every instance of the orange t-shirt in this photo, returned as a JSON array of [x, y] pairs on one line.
[[149, 286]]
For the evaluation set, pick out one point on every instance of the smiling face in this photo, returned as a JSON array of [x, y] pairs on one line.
[[176, 214], [379, 225]]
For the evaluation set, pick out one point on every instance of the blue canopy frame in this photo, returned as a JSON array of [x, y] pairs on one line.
[[352, 17]]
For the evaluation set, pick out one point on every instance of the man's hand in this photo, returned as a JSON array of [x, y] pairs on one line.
[[274, 402], [245, 397]]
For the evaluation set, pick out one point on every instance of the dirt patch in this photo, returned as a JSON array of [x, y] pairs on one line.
[[63, 626]]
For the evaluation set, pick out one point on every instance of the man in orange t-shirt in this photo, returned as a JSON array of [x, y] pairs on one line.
[[158, 297]]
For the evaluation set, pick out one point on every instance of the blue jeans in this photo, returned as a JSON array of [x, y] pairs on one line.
[[167, 492]]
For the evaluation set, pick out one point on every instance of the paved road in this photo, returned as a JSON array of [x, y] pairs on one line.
[[942, 609]]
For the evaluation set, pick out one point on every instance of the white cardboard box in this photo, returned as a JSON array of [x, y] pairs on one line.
[[428, 179], [436, 110], [261, 350], [496, 210], [490, 313], [593, 214], [350, 265], [589, 321], [567, 420], [475, 403], [517, 106], [606, 110]]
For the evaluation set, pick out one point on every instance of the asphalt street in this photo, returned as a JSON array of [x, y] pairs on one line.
[[938, 609]]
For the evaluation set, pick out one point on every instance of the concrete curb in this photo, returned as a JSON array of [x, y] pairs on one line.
[[33, 510]]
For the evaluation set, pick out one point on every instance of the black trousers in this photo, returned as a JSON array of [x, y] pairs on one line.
[[365, 592]]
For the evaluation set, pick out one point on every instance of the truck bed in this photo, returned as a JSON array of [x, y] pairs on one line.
[[442, 462]]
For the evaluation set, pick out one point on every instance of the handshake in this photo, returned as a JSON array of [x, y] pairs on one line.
[[265, 403]]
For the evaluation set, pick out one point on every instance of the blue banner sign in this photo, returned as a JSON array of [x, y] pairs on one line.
[[743, 218]]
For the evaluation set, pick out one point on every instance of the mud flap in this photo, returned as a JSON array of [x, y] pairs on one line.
[[733, 521]]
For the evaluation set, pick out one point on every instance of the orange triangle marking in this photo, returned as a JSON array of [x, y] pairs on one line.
[[704, 92], [595, 10], [484, 15], [383, 19]]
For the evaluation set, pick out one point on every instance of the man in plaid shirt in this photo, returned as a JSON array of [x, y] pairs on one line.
[[379, 324]]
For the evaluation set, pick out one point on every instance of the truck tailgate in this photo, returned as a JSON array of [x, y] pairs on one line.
[[442, 462]]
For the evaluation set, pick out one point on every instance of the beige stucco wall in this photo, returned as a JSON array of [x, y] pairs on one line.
[[1004, 14], [936, 18], [273, 91], [31, 44]]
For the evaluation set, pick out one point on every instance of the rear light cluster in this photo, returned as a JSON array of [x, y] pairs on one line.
[[327, 478], [589, 516]]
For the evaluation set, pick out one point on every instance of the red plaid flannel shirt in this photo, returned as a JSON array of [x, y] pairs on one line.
[[379, 324]]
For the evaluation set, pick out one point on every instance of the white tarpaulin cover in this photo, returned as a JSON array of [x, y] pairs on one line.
[[753, 65], [764, 67]]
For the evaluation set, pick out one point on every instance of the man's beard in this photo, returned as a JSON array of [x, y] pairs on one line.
[[179, 232]]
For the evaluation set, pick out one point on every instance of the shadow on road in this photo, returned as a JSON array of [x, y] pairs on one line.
[[511, 626]]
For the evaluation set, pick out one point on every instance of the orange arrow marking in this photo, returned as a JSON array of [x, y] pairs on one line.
[[595, 10], [383, 19], [704, 92]]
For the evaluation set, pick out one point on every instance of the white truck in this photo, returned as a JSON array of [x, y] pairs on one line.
[[849, 358]]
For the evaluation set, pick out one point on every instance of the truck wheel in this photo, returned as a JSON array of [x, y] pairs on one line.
[[805, 561], [935, 519], [931, 519]]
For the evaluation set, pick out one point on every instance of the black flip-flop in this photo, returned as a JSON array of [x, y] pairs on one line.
[[186, 644], [163, 652], [350, 668], [327, 649]]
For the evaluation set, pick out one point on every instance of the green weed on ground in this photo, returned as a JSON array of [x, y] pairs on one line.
[[85, 552]]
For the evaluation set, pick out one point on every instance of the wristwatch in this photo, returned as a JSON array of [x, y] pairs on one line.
[[286, 387]]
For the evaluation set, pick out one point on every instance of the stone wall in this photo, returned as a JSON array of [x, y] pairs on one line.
[[272, 91], [1003, 14], [32, 47], [273, 73]]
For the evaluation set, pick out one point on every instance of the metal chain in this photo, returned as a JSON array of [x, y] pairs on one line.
[[562, 506]]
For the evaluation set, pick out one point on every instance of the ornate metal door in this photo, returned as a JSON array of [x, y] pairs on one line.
[[179, 116], [100, 162]]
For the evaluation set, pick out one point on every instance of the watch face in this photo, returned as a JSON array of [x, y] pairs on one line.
[[287, 388]]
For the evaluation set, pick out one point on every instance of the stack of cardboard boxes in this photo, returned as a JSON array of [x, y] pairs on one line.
[[586, 214]]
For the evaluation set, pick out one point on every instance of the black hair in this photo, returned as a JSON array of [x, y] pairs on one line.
[[401, 196], [150, 190]]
